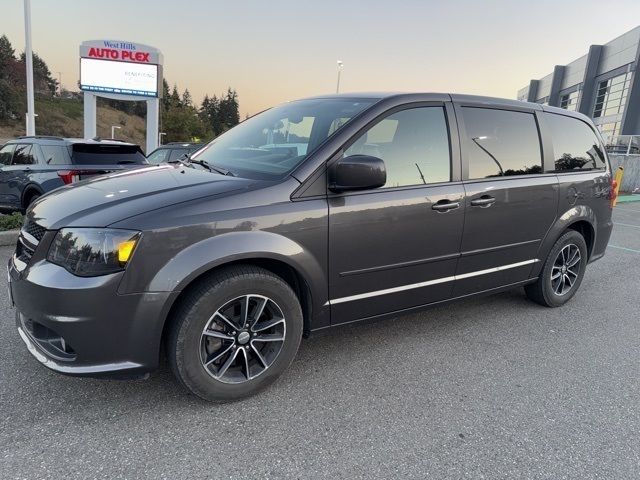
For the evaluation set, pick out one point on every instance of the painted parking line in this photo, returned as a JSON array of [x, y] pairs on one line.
[[626, 212], [626, 225], [625, 248], [627, 209]]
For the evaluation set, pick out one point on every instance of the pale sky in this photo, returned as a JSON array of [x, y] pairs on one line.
[[278, 50]]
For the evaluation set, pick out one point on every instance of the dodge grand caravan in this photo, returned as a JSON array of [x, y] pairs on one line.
[[312, 214]]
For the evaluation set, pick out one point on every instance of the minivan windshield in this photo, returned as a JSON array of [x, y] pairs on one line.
[[272, 143]]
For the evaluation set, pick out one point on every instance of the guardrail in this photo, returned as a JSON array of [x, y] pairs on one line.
[[624, 145]]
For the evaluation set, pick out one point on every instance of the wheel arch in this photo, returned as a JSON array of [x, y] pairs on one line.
[[28, 191], [580, 218], [277, 254]]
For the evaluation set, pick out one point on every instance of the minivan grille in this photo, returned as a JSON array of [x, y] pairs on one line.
[[35, 230], [24, 251], [26, 247]]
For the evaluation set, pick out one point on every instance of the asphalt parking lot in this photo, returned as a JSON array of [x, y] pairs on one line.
[[496, 387]]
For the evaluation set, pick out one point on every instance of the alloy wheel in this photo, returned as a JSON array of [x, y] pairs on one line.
[[242, 339], [566, 269]]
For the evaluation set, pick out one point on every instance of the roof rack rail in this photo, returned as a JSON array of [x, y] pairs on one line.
[[50, 137], [180, 143]]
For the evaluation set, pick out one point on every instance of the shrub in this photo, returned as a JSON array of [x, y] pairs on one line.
[[11, 222]]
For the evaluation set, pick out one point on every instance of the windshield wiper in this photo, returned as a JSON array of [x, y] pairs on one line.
[[185, 159], [220, 170]]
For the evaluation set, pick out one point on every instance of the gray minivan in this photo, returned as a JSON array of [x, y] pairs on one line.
[[312, 214]]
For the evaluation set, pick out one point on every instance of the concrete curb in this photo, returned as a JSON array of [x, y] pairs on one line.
[[9, 238]]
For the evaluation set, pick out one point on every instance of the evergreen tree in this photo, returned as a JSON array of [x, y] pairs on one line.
[[10, 100], [43, 82], [186, 99], [228, 111], [174, 99], [7, 56], [166, 100]]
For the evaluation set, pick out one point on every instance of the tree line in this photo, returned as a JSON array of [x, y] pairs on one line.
[[13, 92], [180, 118]]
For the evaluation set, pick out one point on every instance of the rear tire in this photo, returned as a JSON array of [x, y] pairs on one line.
[[234, 333], [562, 272]]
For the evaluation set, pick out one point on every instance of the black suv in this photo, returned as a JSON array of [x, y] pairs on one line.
[[312, 214], [172, 152], [33, 166]]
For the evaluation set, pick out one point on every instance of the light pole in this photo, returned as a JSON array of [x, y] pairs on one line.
[[113, 130], [340, 66], [160, 135], [28, 53]]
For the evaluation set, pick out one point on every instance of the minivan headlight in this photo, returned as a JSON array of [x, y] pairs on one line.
[[90, 252]]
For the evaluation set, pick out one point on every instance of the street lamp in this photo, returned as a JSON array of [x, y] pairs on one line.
[[113, 130], [31, 120], [340, 66], [160, 135]]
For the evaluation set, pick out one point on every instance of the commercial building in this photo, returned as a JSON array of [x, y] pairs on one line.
[[604, 84]]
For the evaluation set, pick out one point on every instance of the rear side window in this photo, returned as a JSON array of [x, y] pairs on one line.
[[95, 154], [6, 153], [501, 143], [55, 154], [575, 145], [23, 156]]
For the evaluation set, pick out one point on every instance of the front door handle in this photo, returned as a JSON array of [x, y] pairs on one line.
[[445, 205], [483, 201]]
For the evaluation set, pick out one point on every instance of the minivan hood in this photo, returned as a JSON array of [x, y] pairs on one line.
[[103, 200]]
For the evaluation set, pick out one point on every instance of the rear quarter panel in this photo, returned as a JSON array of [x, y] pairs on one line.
[[583, 197]]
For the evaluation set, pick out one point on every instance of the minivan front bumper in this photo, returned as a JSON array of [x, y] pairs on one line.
[[82, 326]]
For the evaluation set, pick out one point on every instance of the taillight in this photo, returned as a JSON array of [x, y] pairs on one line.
[[69, 176]]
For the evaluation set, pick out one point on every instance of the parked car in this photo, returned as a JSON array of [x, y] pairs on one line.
[[394, 203], [33, 166], [172, 152]]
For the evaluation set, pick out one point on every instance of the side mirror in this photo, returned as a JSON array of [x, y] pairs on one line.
[[357, 172]]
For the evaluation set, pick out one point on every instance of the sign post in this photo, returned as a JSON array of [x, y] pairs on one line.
[[121, 71]]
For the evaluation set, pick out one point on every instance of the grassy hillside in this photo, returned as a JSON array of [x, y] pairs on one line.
[[64, 117]]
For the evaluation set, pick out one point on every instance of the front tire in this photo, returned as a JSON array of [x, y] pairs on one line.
[[562, 272], [234, 333]]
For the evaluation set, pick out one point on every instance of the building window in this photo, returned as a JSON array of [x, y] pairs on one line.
[[612, 95], [610, 130], [570, 101]]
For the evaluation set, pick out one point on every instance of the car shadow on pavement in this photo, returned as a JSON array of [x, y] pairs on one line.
[[321, 359]]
